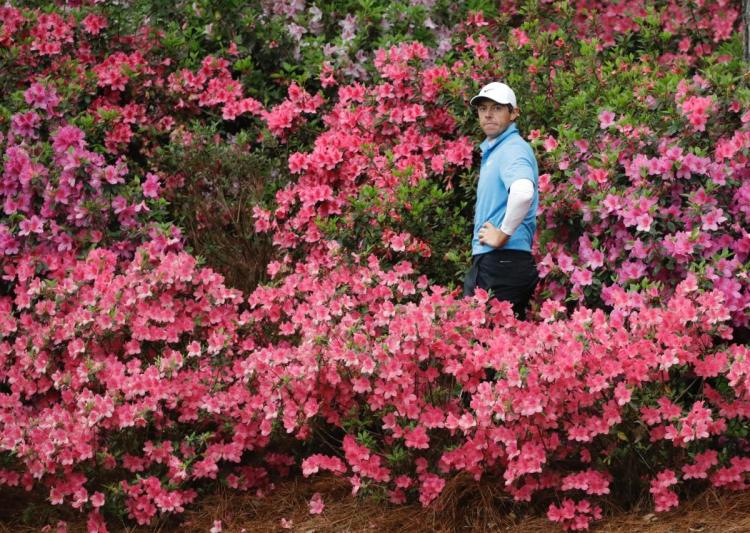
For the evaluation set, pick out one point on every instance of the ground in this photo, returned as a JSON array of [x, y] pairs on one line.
[[464, 506]]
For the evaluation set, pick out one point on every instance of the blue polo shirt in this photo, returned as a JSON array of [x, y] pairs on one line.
[[505, 159]]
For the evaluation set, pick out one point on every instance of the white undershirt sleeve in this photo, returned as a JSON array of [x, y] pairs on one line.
[[520, 196]]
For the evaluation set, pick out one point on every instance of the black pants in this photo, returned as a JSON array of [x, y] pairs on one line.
[[509, 275]]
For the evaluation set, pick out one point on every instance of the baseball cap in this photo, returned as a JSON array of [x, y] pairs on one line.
[[497, 92]]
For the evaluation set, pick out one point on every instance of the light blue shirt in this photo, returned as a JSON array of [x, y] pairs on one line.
[[505, 159]]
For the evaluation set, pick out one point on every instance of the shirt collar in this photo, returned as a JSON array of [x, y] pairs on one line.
[[490, 144]]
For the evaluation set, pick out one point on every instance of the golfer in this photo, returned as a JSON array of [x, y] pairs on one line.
[[507, 200]]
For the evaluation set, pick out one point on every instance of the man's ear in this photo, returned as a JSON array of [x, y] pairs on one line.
[[514, 114]]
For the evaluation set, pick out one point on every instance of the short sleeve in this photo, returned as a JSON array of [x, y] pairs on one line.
[[519, 166]]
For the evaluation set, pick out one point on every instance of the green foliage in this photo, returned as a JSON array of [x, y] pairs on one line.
[[427, 210], [269, 56], [217, 186]]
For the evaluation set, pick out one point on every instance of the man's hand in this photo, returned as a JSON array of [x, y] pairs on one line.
[[492, 236]]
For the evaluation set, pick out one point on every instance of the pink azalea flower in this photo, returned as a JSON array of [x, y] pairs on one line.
[[417, 438], [94, 24], [316, 504], [520, 36], [606, 119], [550, 143], [151, 186], [97, 499]]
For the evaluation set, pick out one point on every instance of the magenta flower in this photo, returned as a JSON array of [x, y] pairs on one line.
[[316, 504], [606, 119], [151, 186]]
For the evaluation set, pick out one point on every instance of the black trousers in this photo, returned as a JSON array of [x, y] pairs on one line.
[[509, 275]]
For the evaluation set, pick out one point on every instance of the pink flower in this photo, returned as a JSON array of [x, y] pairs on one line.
[[41, 97], [458, 152], [430, 488], [297, 162], [664, 479], [520, 36], [316, 504], [574, 516], [398, 242], [643, 222], [550, 309], [582, 276], [611, 203], [589, 481], [479, 46], [34, 224], [94, 24], [606, 119], [550, 143], [561, 513], [97, 499], [68, 137], [327, 75], [699, 469], [622, 393], [94, 524], [712, 219], [417, 438], [599, 175], [317, 462], [151, 186], [696, 109], [565, 262]]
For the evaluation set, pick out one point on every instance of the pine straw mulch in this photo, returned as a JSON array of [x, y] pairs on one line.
[[464, 506]]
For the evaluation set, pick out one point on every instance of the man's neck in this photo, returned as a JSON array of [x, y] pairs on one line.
[[492, 140]]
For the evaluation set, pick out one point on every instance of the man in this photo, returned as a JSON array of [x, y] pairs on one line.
[[507, 200]]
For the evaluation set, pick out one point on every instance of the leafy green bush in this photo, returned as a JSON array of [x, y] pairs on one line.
[[215, 187]]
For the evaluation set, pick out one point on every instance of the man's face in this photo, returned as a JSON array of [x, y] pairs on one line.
[[494, 118]]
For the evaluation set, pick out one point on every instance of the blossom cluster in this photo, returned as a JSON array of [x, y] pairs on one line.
[[107, 354], [384, 136], [565, 391], [632, 204]]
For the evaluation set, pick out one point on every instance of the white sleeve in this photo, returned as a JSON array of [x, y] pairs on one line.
[[520, 196]]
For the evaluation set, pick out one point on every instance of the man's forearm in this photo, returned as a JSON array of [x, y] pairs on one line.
[[520, 196]]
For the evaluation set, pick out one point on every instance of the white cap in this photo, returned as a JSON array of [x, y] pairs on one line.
[[497, 92]]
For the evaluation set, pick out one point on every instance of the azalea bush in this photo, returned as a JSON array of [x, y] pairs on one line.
[[149, 373], [329, 174], [106, 360], [575, 402], [642, 185], [309, 43]]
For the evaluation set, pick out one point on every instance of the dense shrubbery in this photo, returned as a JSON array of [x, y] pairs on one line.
[[131, 374], [217, 183]]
